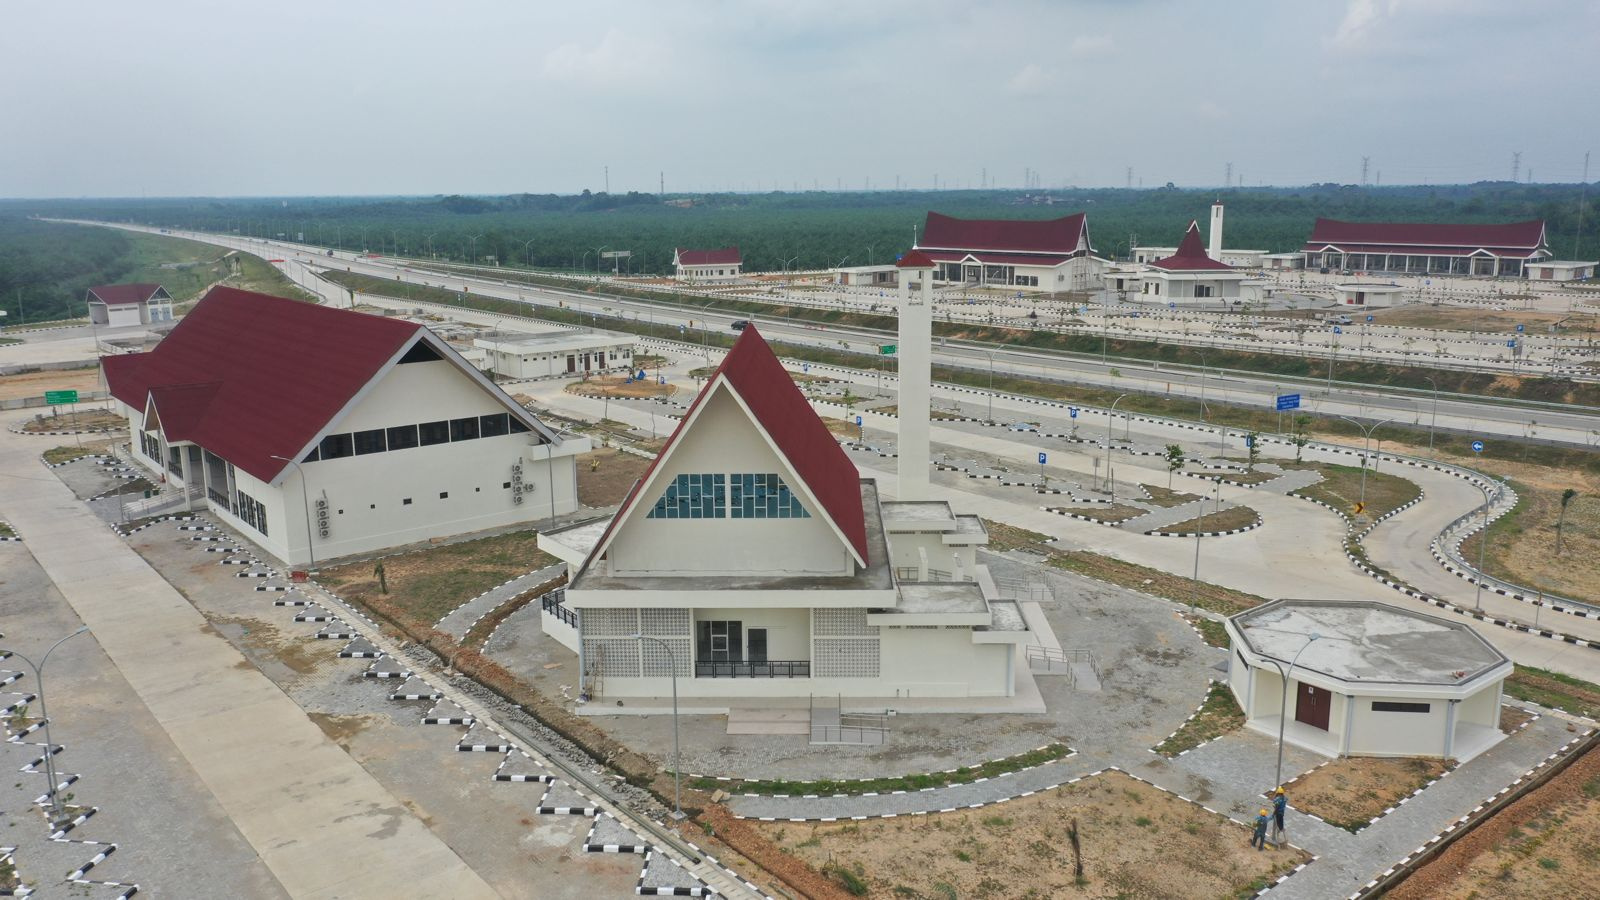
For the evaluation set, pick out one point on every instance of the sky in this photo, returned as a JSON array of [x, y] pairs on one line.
[[355, 97]]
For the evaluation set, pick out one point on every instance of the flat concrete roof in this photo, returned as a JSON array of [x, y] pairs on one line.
[[940, 597], [1368, 286], [1365, 641], [919, 510], [549, 341]]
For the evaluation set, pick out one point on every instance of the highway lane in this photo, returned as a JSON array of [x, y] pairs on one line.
[[1487, 419]]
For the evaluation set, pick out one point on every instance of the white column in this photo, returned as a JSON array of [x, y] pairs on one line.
[[1349, 723], [1216, 231], [915, 351]]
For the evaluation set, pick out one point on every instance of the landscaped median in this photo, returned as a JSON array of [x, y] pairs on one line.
[[1218, 714], [888, 784]]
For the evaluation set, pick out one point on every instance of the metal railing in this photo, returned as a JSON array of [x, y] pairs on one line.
[[853, 729], [777, 668], [551, 603], [1054, 658], [1021, 589]]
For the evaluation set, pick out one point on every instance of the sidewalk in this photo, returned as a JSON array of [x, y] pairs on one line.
[[311, 812]]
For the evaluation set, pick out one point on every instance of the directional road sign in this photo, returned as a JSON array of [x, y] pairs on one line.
[[58, 398], [887, 349], [1042, 457], [1519, 329], [1511, 343], [1338, 330], [1477, 446], [1288, 401], [661, 379], [1072, 412], [805, 367], [858, 420]]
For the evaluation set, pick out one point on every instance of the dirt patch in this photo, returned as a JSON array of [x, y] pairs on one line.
[[1554, 691], [293, 652], [1137, 841], [1219, 714], [1153, 581], [1349, 793], [1110, 514], [1512, 718], [1522, 544], [97, 419], [1231, 519], [1446, 318], [605, 475], [1546, 844], [1166, 497], [34, 384], [56, 455], [840, 426], [429, 583], [341, 729], [620, 386], [1010, 537]]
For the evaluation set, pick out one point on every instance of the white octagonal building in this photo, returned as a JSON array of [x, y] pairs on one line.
[[1366, 679]]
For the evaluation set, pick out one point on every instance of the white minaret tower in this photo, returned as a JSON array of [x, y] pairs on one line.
[[915, 353], [1216, 231]]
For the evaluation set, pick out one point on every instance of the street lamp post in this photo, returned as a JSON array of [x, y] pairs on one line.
[[527, 250], [1283, 699], [1110, 417], [305, 505], [1365, 452], [1483, 543], [1216, 507], [44, 718], [472, 244], [990, 354], [677, 767], [1434, 420]]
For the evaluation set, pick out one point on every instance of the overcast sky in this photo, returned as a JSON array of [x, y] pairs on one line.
[[172, 97]]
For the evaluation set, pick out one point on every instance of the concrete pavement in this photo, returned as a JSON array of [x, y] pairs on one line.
[[324, 827]]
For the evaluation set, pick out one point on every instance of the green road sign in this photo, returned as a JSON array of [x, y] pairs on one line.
[[58, 398], [887, 349]]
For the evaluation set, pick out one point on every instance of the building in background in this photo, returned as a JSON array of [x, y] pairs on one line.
[[866, 276], [116, 305], [1034, 255], [556, 353], [1367, 295], [1358, 678], [756, 553], [1189, 275], [707, 265], [321, 433], [1560, 270], [1432, 249]]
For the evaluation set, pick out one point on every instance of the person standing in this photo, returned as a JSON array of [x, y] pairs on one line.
[[1280, 802], [1259, 839]]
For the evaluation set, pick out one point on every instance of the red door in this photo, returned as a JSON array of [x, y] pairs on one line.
[[1312, 706]]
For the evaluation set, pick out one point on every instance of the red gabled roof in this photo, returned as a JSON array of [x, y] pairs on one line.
[[1017, 236], [1191, 255], [992, 258], [724, 256], [1527, 235], [916, 259], [124, 294], [1419, 250], [249, 376], [753, 371]]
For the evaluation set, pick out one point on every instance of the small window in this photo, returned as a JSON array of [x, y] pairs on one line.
[[406, 501], [464, 429], [493, 425], [517, 426], [506, 485], [372, 441], [336, 446], [444, 495], [434, 433], [403, 437], [1392, 706], [313, 456]]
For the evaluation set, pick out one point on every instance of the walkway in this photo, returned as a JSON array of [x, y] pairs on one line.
[[457, 622], [311, 812]]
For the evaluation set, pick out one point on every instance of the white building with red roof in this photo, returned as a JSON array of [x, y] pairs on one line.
[[1035, 255], [116, 305], [1443, 249], [1189, 275], [321, 433], [707, 265], [755, 561]]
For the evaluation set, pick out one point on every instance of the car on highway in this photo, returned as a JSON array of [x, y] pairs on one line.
[[740, 324]]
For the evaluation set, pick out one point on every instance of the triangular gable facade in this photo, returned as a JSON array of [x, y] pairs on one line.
[[749, 424], [1191, 255]]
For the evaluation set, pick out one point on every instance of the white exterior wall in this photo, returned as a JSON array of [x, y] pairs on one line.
[[942, 662], [1398, 733], [710, 272], [118, 316], [728, 546]]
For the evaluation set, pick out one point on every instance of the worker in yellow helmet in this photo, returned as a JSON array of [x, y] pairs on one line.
[[1280, 802], [1258, 840]]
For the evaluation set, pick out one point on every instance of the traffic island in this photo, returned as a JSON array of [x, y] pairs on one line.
[[1353, 792]]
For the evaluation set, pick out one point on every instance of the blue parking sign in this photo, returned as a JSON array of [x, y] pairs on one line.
[[1338, 330], [1369, 318], [1042, 458]]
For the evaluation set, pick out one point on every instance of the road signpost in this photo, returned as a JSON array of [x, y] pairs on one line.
[[1477, 446], [1286, 402], [859, 439], [1072, 413], [1042, 457], [887, 349]]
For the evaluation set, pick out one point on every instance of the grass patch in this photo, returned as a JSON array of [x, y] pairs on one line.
[[1110, 514], [1166, 497], [89, 419], [58, 455], [1340, 488], [1227, 520], [6, 531], [1154, 581], [1349, 793], [825, 787], [428, 583], [1218, 715], [1211, 631], [1010, 537], [1555, 691]]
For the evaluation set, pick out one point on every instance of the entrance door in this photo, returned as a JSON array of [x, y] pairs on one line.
[[757, 645], [1312, 706]]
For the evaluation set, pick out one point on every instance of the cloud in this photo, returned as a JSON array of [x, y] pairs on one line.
[[1030, 81], [1086, 45], [615, 59]]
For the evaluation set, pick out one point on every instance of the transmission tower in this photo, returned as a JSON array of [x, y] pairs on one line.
[[1130, 177], [1516, 165], [1365, 160], [1583, 192], [1227, 176]]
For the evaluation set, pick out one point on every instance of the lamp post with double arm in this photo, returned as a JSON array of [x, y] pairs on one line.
[[305, 505]]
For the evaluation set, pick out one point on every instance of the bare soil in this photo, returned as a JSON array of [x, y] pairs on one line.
[[620, 386], [1350, 792], [88, 418], [1111, 513], [1227, 520], [1545, 845], [65, 454], [1447, 318], [1166, 497], [34, 384], [1512, 718], [1154, 581], [606, 474], [1137, 841], [426, 584]]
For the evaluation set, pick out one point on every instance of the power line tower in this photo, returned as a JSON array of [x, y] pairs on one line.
[[663, 183], [1365, 161], [1583, 192], [1130, 177], [1516, 165], [1227, 176]]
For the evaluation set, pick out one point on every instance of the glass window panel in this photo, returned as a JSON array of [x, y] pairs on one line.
[[493, 425], [434, 433], [402, 437]]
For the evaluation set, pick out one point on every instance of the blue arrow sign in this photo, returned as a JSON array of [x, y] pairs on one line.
[[1519, 329], [1338, 330], [661, 379], [1249, 441], [1369, 318], [858, 420], [1477, 446], [1042, 458], [1288, 401], [1172, 306], [805, 367], [1072, 412]]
